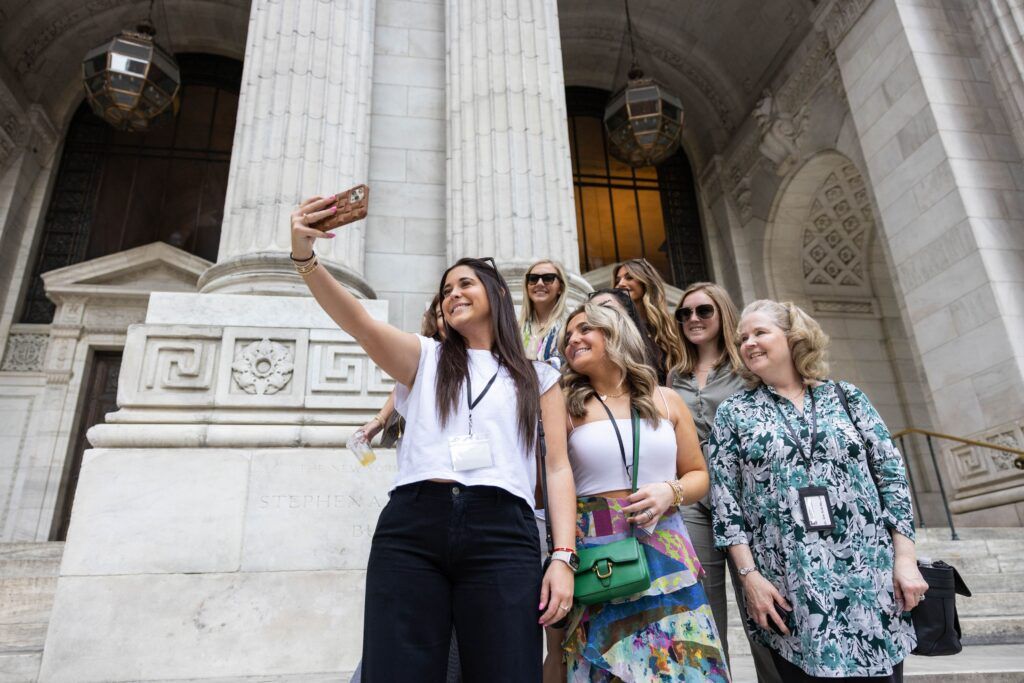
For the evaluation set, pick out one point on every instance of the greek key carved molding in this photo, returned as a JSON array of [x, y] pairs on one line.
[[178, 365], [976, 467]]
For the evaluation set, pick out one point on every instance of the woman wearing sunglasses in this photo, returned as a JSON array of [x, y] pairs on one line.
[[456, 542], [707, 375], [543, 309], [665, 632], [647, 291]]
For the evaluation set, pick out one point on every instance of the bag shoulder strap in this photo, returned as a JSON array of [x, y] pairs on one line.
[[636, 445], [542, 453], [845, 402]]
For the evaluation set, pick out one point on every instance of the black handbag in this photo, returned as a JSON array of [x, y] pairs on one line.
[[935, 619]]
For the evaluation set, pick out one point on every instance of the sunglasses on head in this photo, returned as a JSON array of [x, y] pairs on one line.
[[704, 311], [547, 278]]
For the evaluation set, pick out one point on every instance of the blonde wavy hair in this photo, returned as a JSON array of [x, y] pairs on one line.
[[655, 305], [625, 349], [728, 321], [527, 314], [808, 343]]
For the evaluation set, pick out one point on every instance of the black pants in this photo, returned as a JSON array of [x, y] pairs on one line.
[[791, 673], [444, 554]]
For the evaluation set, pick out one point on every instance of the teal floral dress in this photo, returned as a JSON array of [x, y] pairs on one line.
[[845, 621]]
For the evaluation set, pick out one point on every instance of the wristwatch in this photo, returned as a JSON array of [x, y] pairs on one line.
[[569, 557], [743, 571]]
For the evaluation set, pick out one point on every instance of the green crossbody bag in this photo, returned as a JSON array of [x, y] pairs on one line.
[[618, 569]]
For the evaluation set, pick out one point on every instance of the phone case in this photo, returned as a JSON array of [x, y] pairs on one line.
[[352, 206]]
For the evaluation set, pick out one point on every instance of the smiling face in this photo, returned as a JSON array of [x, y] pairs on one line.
[[541, 292], [764, 347], [464, 299], [585, 344], [696, 330], [625, 280]]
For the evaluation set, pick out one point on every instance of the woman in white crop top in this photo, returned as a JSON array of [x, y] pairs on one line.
[[668, 631], [456, 542]]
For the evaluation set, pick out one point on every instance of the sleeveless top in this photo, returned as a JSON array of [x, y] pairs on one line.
[[596, 459]]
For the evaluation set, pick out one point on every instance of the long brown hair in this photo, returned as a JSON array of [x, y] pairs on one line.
[[655, 305], [453, 362], [625, 349], [728, 320]]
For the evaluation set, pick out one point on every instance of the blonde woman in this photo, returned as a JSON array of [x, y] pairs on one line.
[[708, 374], [540, 319], [647, 291], [814, 508], [666, 632]]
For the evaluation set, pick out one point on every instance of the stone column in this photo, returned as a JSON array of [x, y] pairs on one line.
[[946, 175], [303, 128], [997, 28], [510, 192]]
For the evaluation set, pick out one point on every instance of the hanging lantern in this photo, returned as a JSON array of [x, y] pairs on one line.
[[131, 82], [644, 119]]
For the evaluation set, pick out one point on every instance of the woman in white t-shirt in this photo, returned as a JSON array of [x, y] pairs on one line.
[[456, 542]]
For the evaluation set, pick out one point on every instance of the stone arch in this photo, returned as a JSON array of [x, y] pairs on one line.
[[822, 251]]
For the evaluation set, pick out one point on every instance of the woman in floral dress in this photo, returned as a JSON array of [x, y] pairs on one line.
[[827, 559]]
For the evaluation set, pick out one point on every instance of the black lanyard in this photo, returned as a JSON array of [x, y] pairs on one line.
[[618, 435], [469, 395], [796, 435]]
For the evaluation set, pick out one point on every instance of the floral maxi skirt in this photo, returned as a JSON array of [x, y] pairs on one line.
[[666, 633]]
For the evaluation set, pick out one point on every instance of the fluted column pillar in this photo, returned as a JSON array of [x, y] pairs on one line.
[[303, 128], [510, 192], [999, 29]]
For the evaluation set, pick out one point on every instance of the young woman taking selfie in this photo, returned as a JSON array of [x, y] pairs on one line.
[[456, 542]]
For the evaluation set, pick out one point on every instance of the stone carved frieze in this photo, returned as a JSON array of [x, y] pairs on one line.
[[24, 352], [839, 18], [977, 468], [263, 367], [179, 365], [780, 131], [837, 232]]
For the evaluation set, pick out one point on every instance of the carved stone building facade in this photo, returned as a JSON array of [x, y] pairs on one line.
[[859, 157]]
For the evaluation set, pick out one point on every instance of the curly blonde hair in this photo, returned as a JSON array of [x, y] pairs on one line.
[[728, 321], [808, 343], [625, 349], [655, 305]]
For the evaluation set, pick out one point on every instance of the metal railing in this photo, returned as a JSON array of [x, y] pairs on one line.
[[1018, 463]]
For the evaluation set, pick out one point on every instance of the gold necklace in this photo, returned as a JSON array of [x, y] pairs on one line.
[[605, 397]]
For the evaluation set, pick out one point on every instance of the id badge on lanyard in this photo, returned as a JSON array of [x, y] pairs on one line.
[[471, 451], [815, 504]]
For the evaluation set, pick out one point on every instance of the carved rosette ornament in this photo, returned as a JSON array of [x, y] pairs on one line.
[[263, 367]]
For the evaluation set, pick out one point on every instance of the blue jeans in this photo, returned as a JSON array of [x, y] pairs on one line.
[[447, 554]]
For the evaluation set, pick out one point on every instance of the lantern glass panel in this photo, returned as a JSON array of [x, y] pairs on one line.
[[643, 107], [162, 80], [166, 64], [646, 123], [634, 94], [138, 51]]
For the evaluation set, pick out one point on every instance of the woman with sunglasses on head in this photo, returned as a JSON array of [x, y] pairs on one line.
[[707, 375], [647, 291], [456, 542], [810, 498], [619, 298], [540, 321], [626, 432]]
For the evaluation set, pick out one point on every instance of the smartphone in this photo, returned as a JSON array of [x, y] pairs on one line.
[[352, 205]]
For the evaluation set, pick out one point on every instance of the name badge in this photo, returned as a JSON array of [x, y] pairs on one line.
[[816, 507], [469, 452]]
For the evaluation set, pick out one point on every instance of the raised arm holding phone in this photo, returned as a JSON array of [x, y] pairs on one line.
[[456, 542]]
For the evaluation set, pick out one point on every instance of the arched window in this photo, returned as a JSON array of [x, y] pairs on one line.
[[624, 212], [117, 190]]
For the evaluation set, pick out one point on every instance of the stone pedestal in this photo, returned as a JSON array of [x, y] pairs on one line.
[[510, 192], [303, 129], [220, 528]]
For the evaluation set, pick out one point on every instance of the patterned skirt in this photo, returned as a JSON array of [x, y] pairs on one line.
[[666, 633]]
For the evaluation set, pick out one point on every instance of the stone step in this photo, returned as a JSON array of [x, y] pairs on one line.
[[976, 664], [970, 533], [20, 667], [30, 559], [25, 637], [27, 599]]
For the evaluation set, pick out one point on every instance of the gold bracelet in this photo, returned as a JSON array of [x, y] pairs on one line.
[[677, 491], [306, 269]]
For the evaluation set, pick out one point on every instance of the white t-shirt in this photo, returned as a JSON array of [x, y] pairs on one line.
[[423, 451]]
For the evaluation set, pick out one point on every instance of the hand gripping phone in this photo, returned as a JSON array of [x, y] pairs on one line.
[[352, 206]]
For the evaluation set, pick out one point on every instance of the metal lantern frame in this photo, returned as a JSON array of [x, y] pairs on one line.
[[131, 82], [644, 120]]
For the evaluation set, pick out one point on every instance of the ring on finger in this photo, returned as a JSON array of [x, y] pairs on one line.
[[650, 514]]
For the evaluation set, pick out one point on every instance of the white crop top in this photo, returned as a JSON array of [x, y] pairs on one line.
[[597, 461], [423, 451]]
